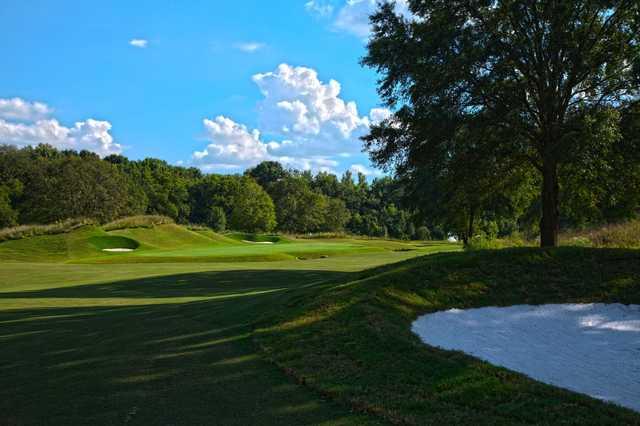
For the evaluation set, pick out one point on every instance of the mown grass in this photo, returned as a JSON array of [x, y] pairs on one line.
[[156, 343], [299, 339], [352, 341]]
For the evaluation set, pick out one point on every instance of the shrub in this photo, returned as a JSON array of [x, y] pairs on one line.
[[148, 221], [423, 233]]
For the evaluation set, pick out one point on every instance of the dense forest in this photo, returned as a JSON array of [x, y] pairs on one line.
[[44, 185]]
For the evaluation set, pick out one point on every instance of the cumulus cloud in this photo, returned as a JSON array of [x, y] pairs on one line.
[[250, 47], [297, 104], [19, 109], [309, 124], [22, 126], [139, 42], [233, 146]]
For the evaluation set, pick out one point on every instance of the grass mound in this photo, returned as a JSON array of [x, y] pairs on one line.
[[352, 341], [169, 236], [104, 242], [145, 221]]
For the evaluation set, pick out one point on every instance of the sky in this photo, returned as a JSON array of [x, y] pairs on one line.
[[220, 85]]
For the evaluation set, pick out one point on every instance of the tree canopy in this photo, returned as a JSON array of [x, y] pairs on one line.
[[531, 74]]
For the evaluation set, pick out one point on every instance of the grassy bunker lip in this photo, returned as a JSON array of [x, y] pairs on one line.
[[113, 243], [352, 340]]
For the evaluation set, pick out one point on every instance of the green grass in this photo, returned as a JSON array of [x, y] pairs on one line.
[[352, 341], [156, 343], [198, 328]]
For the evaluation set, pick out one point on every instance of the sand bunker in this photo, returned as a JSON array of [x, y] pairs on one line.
[[257, 242], [117, 250], [588, 348]]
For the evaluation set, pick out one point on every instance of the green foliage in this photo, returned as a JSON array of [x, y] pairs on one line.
[[267, 173], [477, 83], [217, 220], [423, 233], [252, 208], [9, 215]]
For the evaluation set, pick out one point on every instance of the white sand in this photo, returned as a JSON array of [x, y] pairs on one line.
[[117, 250], [591, 348], [257, 242]]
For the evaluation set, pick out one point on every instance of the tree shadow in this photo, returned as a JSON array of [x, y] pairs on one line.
[[169, 363]]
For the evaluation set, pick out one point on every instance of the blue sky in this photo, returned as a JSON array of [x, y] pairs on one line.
[[221, 85]]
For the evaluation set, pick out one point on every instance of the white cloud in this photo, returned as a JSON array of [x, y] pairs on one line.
[[139, 42], [250, 47], [231, 144], [359, 168], [297, 104], [19, 109], [309, 124], [353, 17], [378, 115], [319, 7], [22, 127]]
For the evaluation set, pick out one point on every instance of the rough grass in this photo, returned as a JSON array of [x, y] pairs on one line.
[[26, 231], [145, 221], [622, 235], [352, 341]]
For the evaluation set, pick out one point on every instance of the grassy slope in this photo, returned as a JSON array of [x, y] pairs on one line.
[[156, 343], [352, 341]]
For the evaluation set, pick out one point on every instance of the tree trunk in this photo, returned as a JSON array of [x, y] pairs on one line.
[[550, 223], [472, 218]]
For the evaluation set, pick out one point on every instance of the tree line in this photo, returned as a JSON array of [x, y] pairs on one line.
[[44, 185]]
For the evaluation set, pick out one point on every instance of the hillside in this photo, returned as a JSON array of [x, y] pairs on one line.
[[353, 342]]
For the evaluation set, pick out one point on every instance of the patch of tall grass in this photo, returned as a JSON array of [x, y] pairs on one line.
[[145, 221], [620, 235], [25, 231]]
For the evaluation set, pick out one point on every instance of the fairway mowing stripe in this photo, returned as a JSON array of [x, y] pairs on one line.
[[28, 303]]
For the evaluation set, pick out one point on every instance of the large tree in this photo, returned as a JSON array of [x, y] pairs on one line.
[[529, 70]]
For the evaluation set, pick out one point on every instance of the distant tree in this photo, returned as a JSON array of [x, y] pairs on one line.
[[336, 215], [252, 208], [423, 233], [217, 219], [525, 69], [327, 184], [8, 193], [267, 173], [298, 207]]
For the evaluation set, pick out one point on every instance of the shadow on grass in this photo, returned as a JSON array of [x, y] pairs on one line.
[[180, 363]]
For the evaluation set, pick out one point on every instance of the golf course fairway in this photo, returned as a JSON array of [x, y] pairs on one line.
[[192, 327]]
